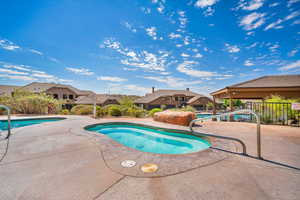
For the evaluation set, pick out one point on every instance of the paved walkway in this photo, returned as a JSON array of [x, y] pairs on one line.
[[57, 160]]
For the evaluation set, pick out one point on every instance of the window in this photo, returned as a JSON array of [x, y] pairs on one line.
[[176, 98], [55, 96], [65, 96], [71, 96], [182, 98]]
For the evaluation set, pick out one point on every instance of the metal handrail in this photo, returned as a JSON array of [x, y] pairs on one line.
[[230, 138], [8, 120]]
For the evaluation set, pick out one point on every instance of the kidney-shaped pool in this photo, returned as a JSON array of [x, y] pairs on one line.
[[151, 139]]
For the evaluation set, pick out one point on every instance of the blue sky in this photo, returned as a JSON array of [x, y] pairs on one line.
[[128, 46]]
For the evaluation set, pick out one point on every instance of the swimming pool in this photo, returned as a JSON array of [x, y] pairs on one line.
[[27, 122], [151, 139], [236, 117]]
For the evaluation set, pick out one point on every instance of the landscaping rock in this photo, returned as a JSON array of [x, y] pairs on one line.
[[175, 117]]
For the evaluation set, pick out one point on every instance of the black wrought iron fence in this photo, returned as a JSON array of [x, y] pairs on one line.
[[275, 113]]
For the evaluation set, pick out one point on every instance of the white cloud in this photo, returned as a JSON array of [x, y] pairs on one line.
[[36, 52], [296, 22], [129, 27], [128, 89], [186, 68], [232, 48], [292, 52], [143, 59], [18, 67], [43, 75], [205, 3], [293, 65], [27, 73], [198, 55], [186, 40], [146, 10], [185, 55], [276, 24], [148, 61], [152, 32], [251, 5], [274, 4], [9, 71], [252, 21], [8, 45], [291, 2], [274, 47], [17, 77], [80, 71], [173, 81], [54, 59], [110, 43], [111, 78], [292, 15], [174, 35], [248, 63], [183, 20], [252, 45]]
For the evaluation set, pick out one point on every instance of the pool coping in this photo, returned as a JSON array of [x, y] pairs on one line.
[[113, 153]]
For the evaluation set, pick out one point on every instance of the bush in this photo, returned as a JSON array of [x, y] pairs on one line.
[[65, 112], [154, 110], [114, 110], [136, 112], [189, 108], [32, 103], [83, 109]]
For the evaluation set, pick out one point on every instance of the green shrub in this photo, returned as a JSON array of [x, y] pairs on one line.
[[65, 112], [154, 110], [114, 110], [136, 112], [189, 108], [32, 103], [82, 110]]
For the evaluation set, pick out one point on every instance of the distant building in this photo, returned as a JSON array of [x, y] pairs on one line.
[[58, 91], [172, 99], [7, 90]]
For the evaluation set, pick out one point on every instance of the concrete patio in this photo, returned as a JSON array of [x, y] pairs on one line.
[[60, 160]]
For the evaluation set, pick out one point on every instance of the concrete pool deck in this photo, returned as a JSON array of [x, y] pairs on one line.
[[59, 160]]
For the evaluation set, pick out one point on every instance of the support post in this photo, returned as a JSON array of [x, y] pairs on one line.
[[214, 109], [231, 117]]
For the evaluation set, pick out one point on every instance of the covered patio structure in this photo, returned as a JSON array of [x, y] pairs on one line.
[[287, 86]]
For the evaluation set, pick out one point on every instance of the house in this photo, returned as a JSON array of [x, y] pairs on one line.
[[58, 91], [7, 90], [172, 99], [199, 102], [99, 99], [102, 99]]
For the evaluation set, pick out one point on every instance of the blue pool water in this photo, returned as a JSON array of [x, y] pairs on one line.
[[151, 140], [236, 117], [25, 122]]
